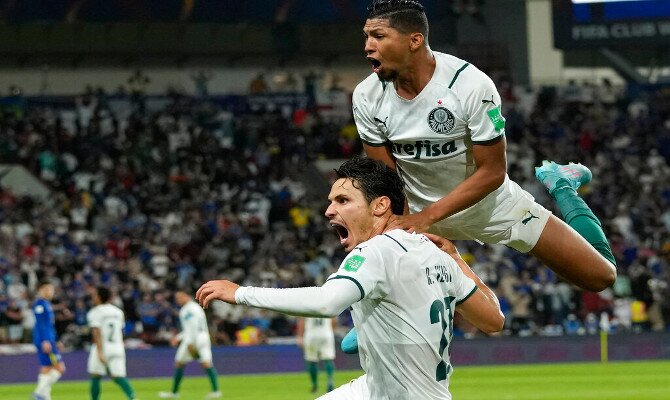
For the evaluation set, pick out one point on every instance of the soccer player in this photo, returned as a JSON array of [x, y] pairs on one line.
[[403, 291], [108, 354], [437, 120], [52, 366], [317, 339], [194, 343]]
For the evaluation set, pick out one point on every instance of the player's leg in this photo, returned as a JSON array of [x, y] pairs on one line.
[[330, 372], [95, 387], [311, 354], [206, 364], [181, 358], [328, 355], [41, 390], [117, 370], [576, 249]]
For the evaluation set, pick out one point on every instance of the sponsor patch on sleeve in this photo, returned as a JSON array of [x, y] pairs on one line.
[[497, 119], [354, 263]]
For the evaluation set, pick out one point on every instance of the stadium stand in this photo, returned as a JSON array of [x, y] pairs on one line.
[[154, 193]]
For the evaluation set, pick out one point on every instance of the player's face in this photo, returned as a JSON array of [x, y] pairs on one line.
[[48, 292], [387, 49], [350, 214]]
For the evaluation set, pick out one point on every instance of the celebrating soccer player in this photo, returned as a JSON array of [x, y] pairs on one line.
[[437, 120], [402, 288]]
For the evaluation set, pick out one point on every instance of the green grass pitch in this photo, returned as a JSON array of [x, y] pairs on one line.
[[578, 381]]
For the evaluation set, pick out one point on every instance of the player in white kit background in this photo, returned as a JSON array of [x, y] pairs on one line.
[[316, 337], [438, 121], [194, 344], [108, 354], [402, 288]]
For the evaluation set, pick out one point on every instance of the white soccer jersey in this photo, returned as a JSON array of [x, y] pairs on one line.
[[193, 323], [409, 290], [318, 327], [110, 320], [431, 136]]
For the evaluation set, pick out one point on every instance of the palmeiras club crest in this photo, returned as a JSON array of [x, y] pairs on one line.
[[441, 120]]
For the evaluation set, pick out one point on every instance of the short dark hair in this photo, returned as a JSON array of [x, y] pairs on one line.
[[407, 16], [375, 179], [44, 282], [104, 294]]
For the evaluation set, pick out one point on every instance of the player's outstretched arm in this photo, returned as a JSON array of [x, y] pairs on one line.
[[482, 309], [328, 300]]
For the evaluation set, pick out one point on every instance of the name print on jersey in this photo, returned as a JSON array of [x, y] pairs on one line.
[[440, 274]]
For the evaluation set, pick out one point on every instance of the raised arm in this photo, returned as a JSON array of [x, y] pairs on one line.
[[328, 300]]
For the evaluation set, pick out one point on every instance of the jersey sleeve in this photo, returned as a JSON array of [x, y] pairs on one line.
[[483, 108], [464, 286], [368, 130], [366, 268], [93, 319]]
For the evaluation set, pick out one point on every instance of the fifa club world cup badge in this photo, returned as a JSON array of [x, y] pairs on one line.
[[441, 120]]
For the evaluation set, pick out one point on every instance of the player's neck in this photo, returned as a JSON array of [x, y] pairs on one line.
[[416, 76]]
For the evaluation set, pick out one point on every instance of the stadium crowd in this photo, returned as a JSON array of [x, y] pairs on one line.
[[149, 196]]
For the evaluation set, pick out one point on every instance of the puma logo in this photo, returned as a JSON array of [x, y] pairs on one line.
[[527, 220], [490, 101]]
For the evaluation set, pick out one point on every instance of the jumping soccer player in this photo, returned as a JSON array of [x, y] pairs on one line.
[[108, 354], [194, 343], [403, 291], [52, 366], [437, 120]]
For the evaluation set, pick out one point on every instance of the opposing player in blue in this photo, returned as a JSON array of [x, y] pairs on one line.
[[52, 366]]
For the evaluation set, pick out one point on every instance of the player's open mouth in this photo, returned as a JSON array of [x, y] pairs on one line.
[[375, 64], [341, 231]]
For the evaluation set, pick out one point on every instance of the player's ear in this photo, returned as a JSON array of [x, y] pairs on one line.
[[381, 205], [416, 40]]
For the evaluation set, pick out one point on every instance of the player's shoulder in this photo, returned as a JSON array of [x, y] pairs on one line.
[[369, 88], [461, 75], [394, 241]]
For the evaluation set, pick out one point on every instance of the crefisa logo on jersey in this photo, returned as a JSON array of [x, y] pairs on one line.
[[441, 120]]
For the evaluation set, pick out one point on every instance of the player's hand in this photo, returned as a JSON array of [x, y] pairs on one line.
[[46, 347], [102, 358], [223, 290], [60, 346], [410, 223], [174, 341], [444, 244], [299, 341]]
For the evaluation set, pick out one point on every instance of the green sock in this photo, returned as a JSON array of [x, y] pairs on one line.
[[176, 380], [211, 373], [330, 369], [125, 386], [313, 369], [579, 216], [95, 387]]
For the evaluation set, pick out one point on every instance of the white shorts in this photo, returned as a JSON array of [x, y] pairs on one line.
[[356, 389], [116, 365], [317, 348], [510, 217], [203, 347]]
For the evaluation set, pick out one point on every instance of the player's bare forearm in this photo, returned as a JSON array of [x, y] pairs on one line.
[[491, 163]]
